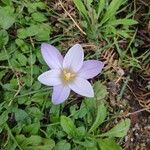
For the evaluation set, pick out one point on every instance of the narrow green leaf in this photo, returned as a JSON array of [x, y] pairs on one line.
[[3, 118], [80, 6], [112, 10], [125, 21], [120, 130], [101, 6]]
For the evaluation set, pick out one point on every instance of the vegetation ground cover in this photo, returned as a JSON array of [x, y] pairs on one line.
[[113, 31]]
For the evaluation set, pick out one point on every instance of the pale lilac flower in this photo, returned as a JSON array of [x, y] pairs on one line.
[[68, 73]]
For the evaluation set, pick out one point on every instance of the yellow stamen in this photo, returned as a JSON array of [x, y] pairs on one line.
[[67, 75]]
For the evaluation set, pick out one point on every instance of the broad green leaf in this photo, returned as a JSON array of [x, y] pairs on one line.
[[40, 31], [108, 144], [68, 126], [81, 7], [81, 132], [22, 59], [39, 17], [44, 32], [92, 148], [3, 38], [63, 145], [120, 130], [7, 2], [27, 32], [32, 140], [35, 142], [35, 112], [20, 115], [88, 144], [3, 55], [100, 117], [32, 128], [92, 104], [32, 7], [100, 91], [7, 17]]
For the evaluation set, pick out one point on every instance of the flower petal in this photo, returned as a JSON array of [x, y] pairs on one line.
[[82, 87], [50, 78], [52, 56], [74, 58], [60, 94], [90, 69]]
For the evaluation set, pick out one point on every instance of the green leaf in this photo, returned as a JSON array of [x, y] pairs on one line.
[[101, 6], [32, 140], [3, 38], [81, 132], [3, 55], [7, 17], [32, 128], [39, 17], [108, 144], [32, 7], [35, 142], [3, 118], [20, 115], [7, 2], [22, 59], [35, 112], [124, 21], [62, 145], [2, 74], [44, 32], [92, 104], [112, 10], [101, 115], [100, 91], [40, 31], [120, 130], [68, 126], [27, 32], [80, 6]]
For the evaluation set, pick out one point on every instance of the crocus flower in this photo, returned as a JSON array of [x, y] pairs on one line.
[[68, 73]]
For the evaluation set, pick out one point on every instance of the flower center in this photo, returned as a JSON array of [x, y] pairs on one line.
[[67, 75]]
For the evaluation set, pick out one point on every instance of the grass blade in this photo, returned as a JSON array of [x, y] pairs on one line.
[[81, 7], [112, 10], [125, 21], [101, 5]]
